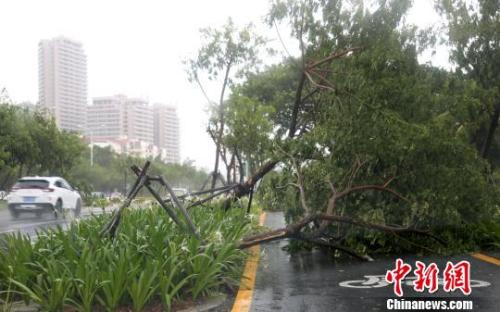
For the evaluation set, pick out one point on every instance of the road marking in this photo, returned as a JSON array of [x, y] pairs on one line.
[[377, 281], [486, 258], [244, 297]]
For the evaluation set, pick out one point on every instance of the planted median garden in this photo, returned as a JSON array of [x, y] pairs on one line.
[[150, 264]]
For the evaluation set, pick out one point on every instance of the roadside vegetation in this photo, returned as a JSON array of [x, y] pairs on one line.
[[365, 147], [149, 263], [31, 144]]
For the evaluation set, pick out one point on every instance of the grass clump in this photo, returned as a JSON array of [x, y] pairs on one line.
[[150, 261]]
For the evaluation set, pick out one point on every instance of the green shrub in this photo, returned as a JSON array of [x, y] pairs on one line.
[[151, 259]]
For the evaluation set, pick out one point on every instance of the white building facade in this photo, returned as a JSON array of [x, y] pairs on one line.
[[166, 131], [131, 126], [62, 81]]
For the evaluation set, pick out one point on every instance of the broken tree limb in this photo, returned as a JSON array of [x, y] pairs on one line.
[[180, 206], [332, 56], [244, 188], [250, 201], [204, 200], [294, 230], [112, 225], [325, 243], [380, 227], [162, 203], [167, 209], [209, 176], [221, 188]]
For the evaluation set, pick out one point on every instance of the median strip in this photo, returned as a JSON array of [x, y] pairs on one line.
[[244, 297]]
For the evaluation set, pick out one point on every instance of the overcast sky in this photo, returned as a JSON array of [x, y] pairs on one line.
[[136, 48]]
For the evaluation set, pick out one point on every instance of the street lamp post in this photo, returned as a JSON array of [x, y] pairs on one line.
[[91, 149], [91, 141]]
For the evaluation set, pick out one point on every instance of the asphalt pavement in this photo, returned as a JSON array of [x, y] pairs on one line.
[[28, 223], [314, 281]]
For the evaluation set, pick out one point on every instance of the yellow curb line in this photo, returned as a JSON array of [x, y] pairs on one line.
[[244, 297], [486, 258]]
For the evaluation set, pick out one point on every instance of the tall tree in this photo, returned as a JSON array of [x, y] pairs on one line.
[[229, 53], [369, 134], [473, 33]]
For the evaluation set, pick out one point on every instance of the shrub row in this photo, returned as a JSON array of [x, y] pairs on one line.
[[150, 260]]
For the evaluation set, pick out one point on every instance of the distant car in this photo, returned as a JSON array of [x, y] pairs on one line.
[[43, 194], [98, 194], [115, 195], [180, 191]]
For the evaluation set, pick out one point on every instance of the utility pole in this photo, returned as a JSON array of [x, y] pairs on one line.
[[91, 149]]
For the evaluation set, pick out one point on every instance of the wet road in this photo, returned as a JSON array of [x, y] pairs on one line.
[[28, 223], [312, 281]]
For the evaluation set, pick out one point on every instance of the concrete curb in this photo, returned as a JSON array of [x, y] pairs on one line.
[[206, 305]]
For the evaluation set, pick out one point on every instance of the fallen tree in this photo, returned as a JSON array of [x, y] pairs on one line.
[[316, 233]]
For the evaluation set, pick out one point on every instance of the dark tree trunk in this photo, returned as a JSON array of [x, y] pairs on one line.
[[6, 180], [491, 132], [296, 106]]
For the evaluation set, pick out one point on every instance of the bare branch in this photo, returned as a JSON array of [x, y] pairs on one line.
[[325, 243], [293, 230], [371, 187], [332, 56]]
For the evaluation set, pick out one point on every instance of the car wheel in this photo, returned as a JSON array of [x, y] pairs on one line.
[[78, 208], [58, 209]]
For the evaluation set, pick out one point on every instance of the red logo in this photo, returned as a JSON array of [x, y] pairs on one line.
[[427, 277], [455, 276], [397, 275]]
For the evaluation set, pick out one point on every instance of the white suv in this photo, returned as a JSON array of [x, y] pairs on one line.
[[41, 194]]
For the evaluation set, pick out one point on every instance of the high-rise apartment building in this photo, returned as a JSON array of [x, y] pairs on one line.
[[119, 117], [166, 131], [139, 120], [106, 118], [62, 80], [132, 126]]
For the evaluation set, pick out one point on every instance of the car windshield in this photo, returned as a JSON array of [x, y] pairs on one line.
[[26, 184]]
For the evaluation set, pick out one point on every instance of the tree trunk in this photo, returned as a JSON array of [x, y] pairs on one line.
[[296, 106], [6, 179], [491, 132], [221, 129]]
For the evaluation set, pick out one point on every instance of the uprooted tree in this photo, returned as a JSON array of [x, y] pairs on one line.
[[369, 149]]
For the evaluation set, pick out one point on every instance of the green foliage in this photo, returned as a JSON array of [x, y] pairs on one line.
[[379, 116], [227, 54], [249, 129], [111, 171], [31, 144], [472, 31], [151, 259]]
